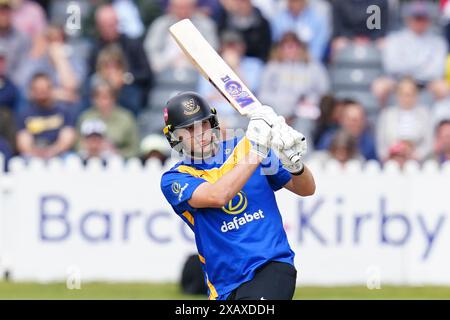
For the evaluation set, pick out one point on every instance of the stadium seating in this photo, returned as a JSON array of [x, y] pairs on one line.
[[181, 78], [367, 56], [352, 73]]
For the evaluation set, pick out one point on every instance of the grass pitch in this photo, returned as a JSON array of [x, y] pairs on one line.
[[170, 291]]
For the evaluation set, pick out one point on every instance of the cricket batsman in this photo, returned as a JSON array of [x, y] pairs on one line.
[[224, 190]]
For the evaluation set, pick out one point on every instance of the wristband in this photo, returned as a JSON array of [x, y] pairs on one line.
[[299, 173]]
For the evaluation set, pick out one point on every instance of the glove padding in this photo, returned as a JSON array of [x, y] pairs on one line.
[[259, 130], [264, 111], [285, 142]]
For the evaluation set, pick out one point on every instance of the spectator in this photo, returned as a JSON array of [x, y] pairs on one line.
[[243, 17], [444, 6], [52, 56], [46, 3], [121, 128], [248, 68], [135, 58], [330, 113], [350, 22], [441, 109], [8, 128], [406, 121], [154, 146], [129, 18], [210, 8], [113, 68], [150, 10], [45, 128], [29, 17], [401, 152], [93, 142], [268, 8], [9, 93], [17, 43], [343, 148], [414, 51], [292, 77], [5, 152], [9, 99], [310, 26], [354, 121], [441, 152], [161, 49]]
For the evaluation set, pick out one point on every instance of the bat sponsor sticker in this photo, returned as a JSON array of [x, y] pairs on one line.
[[234, 88]]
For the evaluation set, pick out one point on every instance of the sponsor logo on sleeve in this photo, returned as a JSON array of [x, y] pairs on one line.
[[176, 187]]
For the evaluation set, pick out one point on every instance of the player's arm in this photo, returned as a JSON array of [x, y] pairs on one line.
[[218, 194], [303, 185]]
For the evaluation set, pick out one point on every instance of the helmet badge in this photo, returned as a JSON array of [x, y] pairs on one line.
[[190, 107]]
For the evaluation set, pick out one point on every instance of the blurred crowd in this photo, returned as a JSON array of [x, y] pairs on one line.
[[362, 79]]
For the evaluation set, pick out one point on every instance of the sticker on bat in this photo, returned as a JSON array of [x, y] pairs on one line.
[[234, 88]]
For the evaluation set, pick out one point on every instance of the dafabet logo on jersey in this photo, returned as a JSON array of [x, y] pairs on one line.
[[236, 206]]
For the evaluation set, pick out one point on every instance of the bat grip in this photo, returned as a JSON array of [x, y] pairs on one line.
[[294, 157]]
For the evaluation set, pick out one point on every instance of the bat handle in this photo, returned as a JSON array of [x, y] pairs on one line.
[[293, 156]]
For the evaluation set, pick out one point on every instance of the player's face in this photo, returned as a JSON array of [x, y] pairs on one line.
[[198, 139]]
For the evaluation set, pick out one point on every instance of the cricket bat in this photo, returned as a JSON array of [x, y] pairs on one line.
[[211, 66]]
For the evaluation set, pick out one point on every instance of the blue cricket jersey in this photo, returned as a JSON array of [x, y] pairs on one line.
[[232, 241]]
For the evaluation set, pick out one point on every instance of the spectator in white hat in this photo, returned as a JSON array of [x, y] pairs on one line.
[[93, 141], [154, 146]]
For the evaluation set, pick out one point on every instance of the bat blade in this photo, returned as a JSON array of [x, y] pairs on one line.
[[211, 66]]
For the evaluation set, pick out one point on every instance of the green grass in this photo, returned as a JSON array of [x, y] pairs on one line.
[[9, 290]]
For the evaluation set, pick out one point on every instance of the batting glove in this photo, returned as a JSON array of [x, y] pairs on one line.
[[286, 142], [259, 130]]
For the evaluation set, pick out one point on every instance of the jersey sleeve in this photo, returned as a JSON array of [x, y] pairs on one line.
[[277, 176], [178, 188]]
